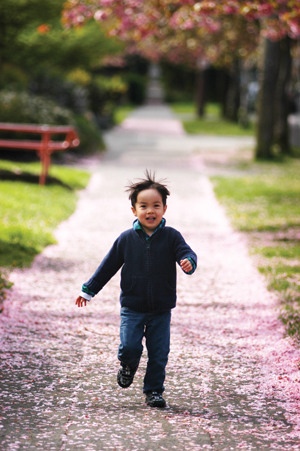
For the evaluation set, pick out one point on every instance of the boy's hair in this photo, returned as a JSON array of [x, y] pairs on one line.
[[147, 183]]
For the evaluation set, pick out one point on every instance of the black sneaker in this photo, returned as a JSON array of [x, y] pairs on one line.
[[155, 399], [125, 375]]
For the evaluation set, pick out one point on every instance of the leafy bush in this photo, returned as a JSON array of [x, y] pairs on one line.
[[90, 138], [178, 82], [13, 77], [4, 285], [137, 86], [66, 93], [80, 77], [104, 94], [83, 93], [24, 108], [21, 107]]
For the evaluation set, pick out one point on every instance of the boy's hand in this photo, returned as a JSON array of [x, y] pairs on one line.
[[186, 265], [80, 301]]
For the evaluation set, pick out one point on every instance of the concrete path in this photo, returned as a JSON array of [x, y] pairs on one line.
[[59, 365]]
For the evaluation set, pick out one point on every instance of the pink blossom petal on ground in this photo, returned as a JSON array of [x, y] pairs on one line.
[[166, 126], [233, 380]]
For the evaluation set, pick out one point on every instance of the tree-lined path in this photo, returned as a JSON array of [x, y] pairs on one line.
[[226, 379]]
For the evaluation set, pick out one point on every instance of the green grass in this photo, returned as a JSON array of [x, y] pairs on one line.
[[122, 112], [211, 123], [266, 206], [212, 109], [29, 213], [216, 127]]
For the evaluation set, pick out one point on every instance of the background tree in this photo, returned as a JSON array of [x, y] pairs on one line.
[[39, 57], [135, 20]]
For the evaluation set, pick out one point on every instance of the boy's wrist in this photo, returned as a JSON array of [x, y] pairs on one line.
[[86, 296]]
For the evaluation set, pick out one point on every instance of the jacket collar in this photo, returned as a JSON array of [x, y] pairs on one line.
[[137, 226]]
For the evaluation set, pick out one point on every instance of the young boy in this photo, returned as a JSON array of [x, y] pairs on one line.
[[147, 254]]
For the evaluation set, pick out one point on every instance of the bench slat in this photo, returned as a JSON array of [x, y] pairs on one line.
[[31, 128], [45, 147], [36, 145]]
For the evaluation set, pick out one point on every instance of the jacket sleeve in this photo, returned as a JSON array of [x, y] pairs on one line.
[[111, 263], [183, 250]]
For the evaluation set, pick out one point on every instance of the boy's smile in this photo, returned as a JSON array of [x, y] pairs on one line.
[[149, 209]]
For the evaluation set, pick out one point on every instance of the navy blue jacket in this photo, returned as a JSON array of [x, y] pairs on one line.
[[148, 276]]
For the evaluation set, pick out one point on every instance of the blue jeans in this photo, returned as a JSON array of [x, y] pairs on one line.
[[156, 329]]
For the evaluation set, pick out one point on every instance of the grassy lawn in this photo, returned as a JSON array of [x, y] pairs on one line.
[[211, 123], [264, 202], [29, 213]]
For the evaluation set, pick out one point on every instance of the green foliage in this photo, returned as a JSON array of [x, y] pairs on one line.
[[178, 82], [13, 77], [211, 109], [79, 77], [104, 94], [21, 107], [34, 38], [4, 285], [63, 92], [29, 213], [212, 123], [92, 94], [114, 85], [90, 137], [216, 127], [56, 65], [121, 112], [267, 207], [137, 86]]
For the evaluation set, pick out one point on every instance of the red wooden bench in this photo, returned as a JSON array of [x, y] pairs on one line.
[[45, 147]]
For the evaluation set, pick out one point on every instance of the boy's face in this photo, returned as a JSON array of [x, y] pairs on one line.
[[149, 209]]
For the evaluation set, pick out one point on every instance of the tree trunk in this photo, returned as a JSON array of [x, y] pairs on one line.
[[223, 79], [244, 98], [200, 87], [200, 92], [233, 94], [266, 100], [281, 129]]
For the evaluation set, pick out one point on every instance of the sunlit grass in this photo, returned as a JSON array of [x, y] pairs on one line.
[[267, 207], [212, 123], [211, 109], [122, 112], [29, 213]]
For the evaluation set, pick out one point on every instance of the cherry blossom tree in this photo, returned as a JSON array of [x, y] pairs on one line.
[[204, 29]]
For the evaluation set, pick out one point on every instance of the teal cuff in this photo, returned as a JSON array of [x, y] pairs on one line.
[[85, 289], [193, 264]]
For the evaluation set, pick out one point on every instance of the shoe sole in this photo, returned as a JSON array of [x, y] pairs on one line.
[[160, 405], [156, 403]]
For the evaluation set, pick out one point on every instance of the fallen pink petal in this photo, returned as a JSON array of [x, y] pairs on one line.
[[233, 378]]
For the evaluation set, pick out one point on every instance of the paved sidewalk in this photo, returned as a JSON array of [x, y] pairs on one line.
[[59, 365]]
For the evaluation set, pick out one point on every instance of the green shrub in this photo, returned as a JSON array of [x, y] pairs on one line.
[[66, 93], [80, 77], [178, 82], [21, 107], [104, 94], [90, 137], [137, 88], [13, 77], [4, 285]]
